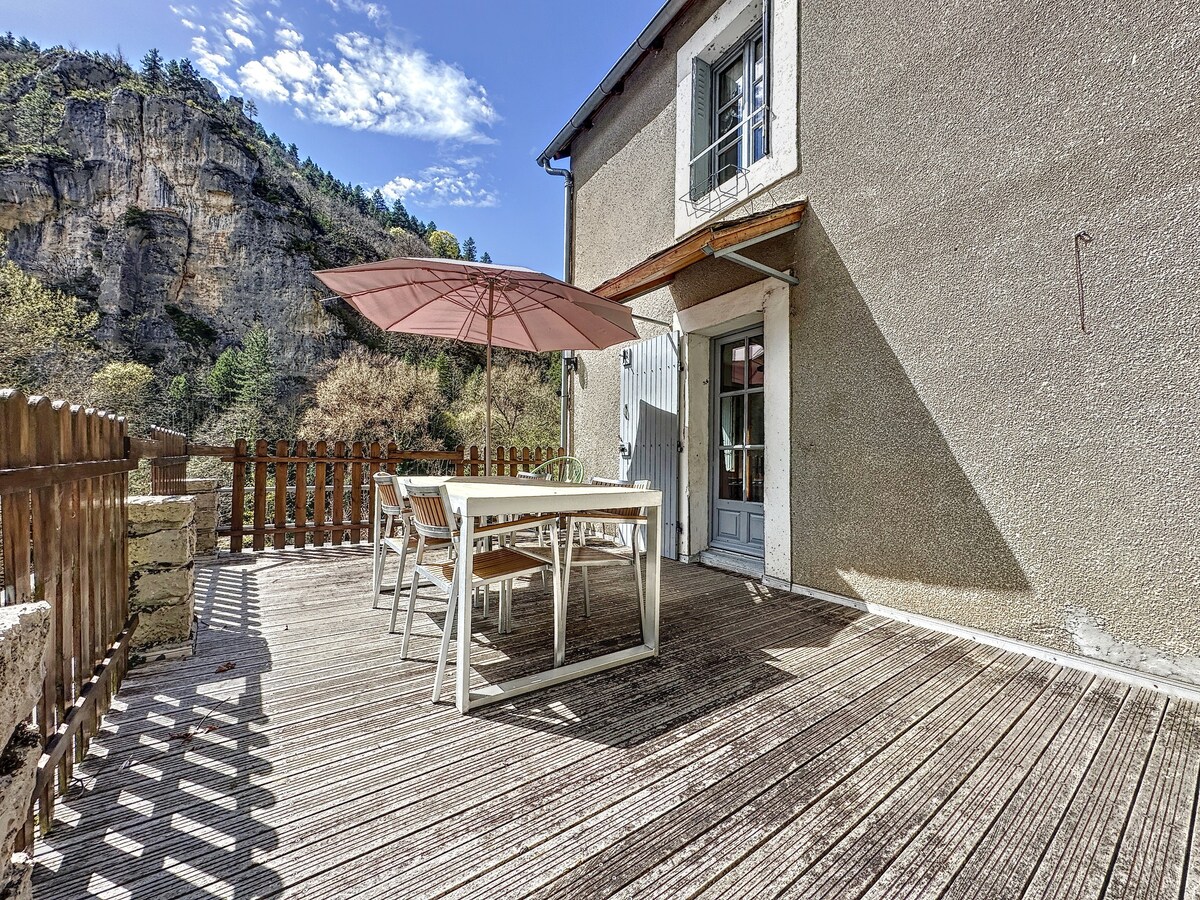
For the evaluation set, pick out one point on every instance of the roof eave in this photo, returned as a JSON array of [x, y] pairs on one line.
[[649, 40]]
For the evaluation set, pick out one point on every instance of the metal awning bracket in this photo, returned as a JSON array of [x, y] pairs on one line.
[[733, 254]]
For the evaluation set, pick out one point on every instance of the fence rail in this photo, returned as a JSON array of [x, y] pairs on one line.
[[63, 522], [296, 493]]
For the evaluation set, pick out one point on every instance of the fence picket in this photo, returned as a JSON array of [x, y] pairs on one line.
[[281, 485], [319, 496], [339, 490]]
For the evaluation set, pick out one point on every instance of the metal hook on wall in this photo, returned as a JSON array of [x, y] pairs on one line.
[[1081, 238]]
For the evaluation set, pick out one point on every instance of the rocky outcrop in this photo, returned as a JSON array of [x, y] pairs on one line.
[[175, 221]]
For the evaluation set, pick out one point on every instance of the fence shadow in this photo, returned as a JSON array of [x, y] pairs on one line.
[[166, 803]]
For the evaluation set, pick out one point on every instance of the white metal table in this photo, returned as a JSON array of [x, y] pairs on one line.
[[472, 497]]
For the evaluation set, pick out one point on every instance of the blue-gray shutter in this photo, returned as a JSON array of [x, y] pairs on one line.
[[650, 425], [700, 174]]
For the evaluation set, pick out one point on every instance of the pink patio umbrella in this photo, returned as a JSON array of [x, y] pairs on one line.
[[498, 306]]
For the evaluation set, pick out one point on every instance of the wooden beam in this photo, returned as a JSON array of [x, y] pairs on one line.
[[33, 477], [661, 268], [60, 741]]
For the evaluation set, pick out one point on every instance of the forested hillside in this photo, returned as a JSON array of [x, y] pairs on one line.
[[160, 246]]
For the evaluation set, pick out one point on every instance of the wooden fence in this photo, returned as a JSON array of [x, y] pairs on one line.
[[63, 522], [298, 494], [168, 471]]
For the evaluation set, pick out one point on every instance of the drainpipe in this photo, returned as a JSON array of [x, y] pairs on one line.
[[567, 403]]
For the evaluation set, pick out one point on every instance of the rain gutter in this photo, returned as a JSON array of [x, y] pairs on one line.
[[566, 400]]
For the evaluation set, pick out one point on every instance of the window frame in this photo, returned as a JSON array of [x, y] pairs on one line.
[[742, 49]]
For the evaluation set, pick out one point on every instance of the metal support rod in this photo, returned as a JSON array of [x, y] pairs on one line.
[[487, 417]]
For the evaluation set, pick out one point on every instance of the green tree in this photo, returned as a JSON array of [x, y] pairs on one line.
[[152, 67], [123, 388], [469, 251], [444, 244], [223, 377], [44, 338], [486, 259], [255, 370], [37, 116]]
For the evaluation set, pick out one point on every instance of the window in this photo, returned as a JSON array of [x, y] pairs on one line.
[[730, 114], [737, 107]]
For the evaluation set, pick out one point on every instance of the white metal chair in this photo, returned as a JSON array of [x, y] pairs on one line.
[[391, 529], [432, 518], [586, 551]]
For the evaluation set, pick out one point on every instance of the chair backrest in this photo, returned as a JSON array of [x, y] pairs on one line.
[[629, 511], [561, 468], [534, 476], [431, 514], [388, 489]]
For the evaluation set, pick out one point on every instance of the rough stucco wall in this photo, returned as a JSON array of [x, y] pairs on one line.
[[961, 448]]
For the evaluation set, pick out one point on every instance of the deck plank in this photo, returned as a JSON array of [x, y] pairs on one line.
[[778, 743], [1150, 859]]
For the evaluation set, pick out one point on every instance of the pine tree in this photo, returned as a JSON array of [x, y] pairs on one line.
[[469, 250], [250, 108], [380, 205], [151, 66], [255, 373], [37, 115], [486, 259]]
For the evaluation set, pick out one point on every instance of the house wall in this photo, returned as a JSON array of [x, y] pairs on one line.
[[961, 448]]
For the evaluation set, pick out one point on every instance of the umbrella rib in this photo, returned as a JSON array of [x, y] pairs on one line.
[[417, 309]]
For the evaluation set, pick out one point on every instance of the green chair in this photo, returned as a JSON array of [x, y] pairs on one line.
[[561, 468]]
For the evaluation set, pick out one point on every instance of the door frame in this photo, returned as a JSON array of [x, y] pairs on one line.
[[764, 303], [715, 345]]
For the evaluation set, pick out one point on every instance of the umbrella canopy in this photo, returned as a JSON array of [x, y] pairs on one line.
[[498, 306]]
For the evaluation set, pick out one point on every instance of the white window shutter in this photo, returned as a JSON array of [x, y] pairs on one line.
[[700, 174]]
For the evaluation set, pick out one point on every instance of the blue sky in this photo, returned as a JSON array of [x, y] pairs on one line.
[[445, 105]]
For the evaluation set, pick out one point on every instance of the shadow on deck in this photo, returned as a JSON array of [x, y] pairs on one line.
[[779, 746]]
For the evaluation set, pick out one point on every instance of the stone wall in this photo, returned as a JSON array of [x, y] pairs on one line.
[[24, 634], [204, 492], [162, 552]]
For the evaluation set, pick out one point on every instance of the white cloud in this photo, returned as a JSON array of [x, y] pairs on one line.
[[373, 11], [239, 40], [289, 37], [441, 186], [360, 81], [260, 81]]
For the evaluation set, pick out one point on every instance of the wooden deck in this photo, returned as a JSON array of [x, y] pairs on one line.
[[779, 747]]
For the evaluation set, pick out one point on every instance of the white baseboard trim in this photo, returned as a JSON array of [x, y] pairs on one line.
[[1169, 686]]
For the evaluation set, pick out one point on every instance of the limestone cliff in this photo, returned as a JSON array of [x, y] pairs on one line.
[[172, 213]]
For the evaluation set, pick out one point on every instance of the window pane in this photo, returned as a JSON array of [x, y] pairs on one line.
[[758, 358], [733, 367], [758, 59], [731, 420], [729, 83], [755, 466], [729, 476], [755, 428]]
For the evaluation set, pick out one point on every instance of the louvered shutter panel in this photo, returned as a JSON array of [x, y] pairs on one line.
[[700, 174]]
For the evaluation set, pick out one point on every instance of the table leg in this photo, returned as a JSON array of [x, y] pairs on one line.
[[466, 566], [650, 609], [560, 598]]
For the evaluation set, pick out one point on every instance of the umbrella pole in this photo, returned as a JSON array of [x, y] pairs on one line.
[[487, 419]]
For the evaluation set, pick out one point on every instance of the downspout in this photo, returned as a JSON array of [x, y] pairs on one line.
[[567, 401]]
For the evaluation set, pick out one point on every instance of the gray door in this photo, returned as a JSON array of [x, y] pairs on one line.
[[737, 443], [649, 428]]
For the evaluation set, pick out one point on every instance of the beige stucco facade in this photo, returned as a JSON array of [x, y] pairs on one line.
[[959, 446]]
